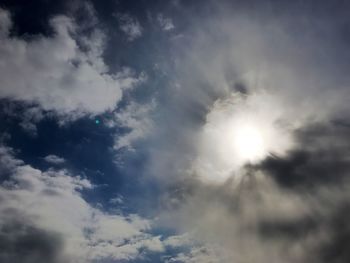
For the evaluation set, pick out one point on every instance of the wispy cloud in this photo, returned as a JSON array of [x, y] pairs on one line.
[[137, 119], [130, 26], [165, 23]]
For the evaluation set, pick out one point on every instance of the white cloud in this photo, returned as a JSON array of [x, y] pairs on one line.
[[54, 159], [130, 26], [117, 200], [165, 23], [51, 201], [55, 73], [196, 254], [135, 117], [192, 250]]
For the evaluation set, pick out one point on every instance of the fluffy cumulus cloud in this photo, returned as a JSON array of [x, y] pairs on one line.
[[43, 215], [64, 73]]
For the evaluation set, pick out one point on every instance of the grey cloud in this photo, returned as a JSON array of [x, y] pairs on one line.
[[321, 157], [285, 208], [290, 209], [27, 114], [21, 242]]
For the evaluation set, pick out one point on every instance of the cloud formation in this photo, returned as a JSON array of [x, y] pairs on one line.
[[228, 69], [43, 214], [136, 118], [64, 73], [289, 205]]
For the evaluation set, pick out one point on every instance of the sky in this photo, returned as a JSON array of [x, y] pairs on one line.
[[174, 131]]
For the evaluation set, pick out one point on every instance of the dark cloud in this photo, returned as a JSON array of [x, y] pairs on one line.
[[337, 249], [285, 209], [21, 242], [322, 156], [319, 170]]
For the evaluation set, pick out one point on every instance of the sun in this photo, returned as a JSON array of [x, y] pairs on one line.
[[249, 143], [240, 130]]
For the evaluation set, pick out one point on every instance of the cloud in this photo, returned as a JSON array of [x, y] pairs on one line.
[[197, 254], [117, 200], [26, 115], [283, 72], [190, 250], [321, 157], [130, 26], [20, 242], [284, 209], [165, 23], [290, 205], [54, 159], [30, 117], [288, 80], [64, 73], [136, 118], [44, 214]]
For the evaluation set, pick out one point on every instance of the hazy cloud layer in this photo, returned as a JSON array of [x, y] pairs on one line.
[[289, 205], [290, 209], [288, 80]]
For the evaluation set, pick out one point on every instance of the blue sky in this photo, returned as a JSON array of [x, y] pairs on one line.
[[174, 131]]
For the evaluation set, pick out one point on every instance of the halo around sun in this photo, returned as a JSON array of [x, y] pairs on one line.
[[238, 131]]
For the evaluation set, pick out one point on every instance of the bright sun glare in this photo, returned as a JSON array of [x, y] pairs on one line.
[[238, 131], [249, 143]]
